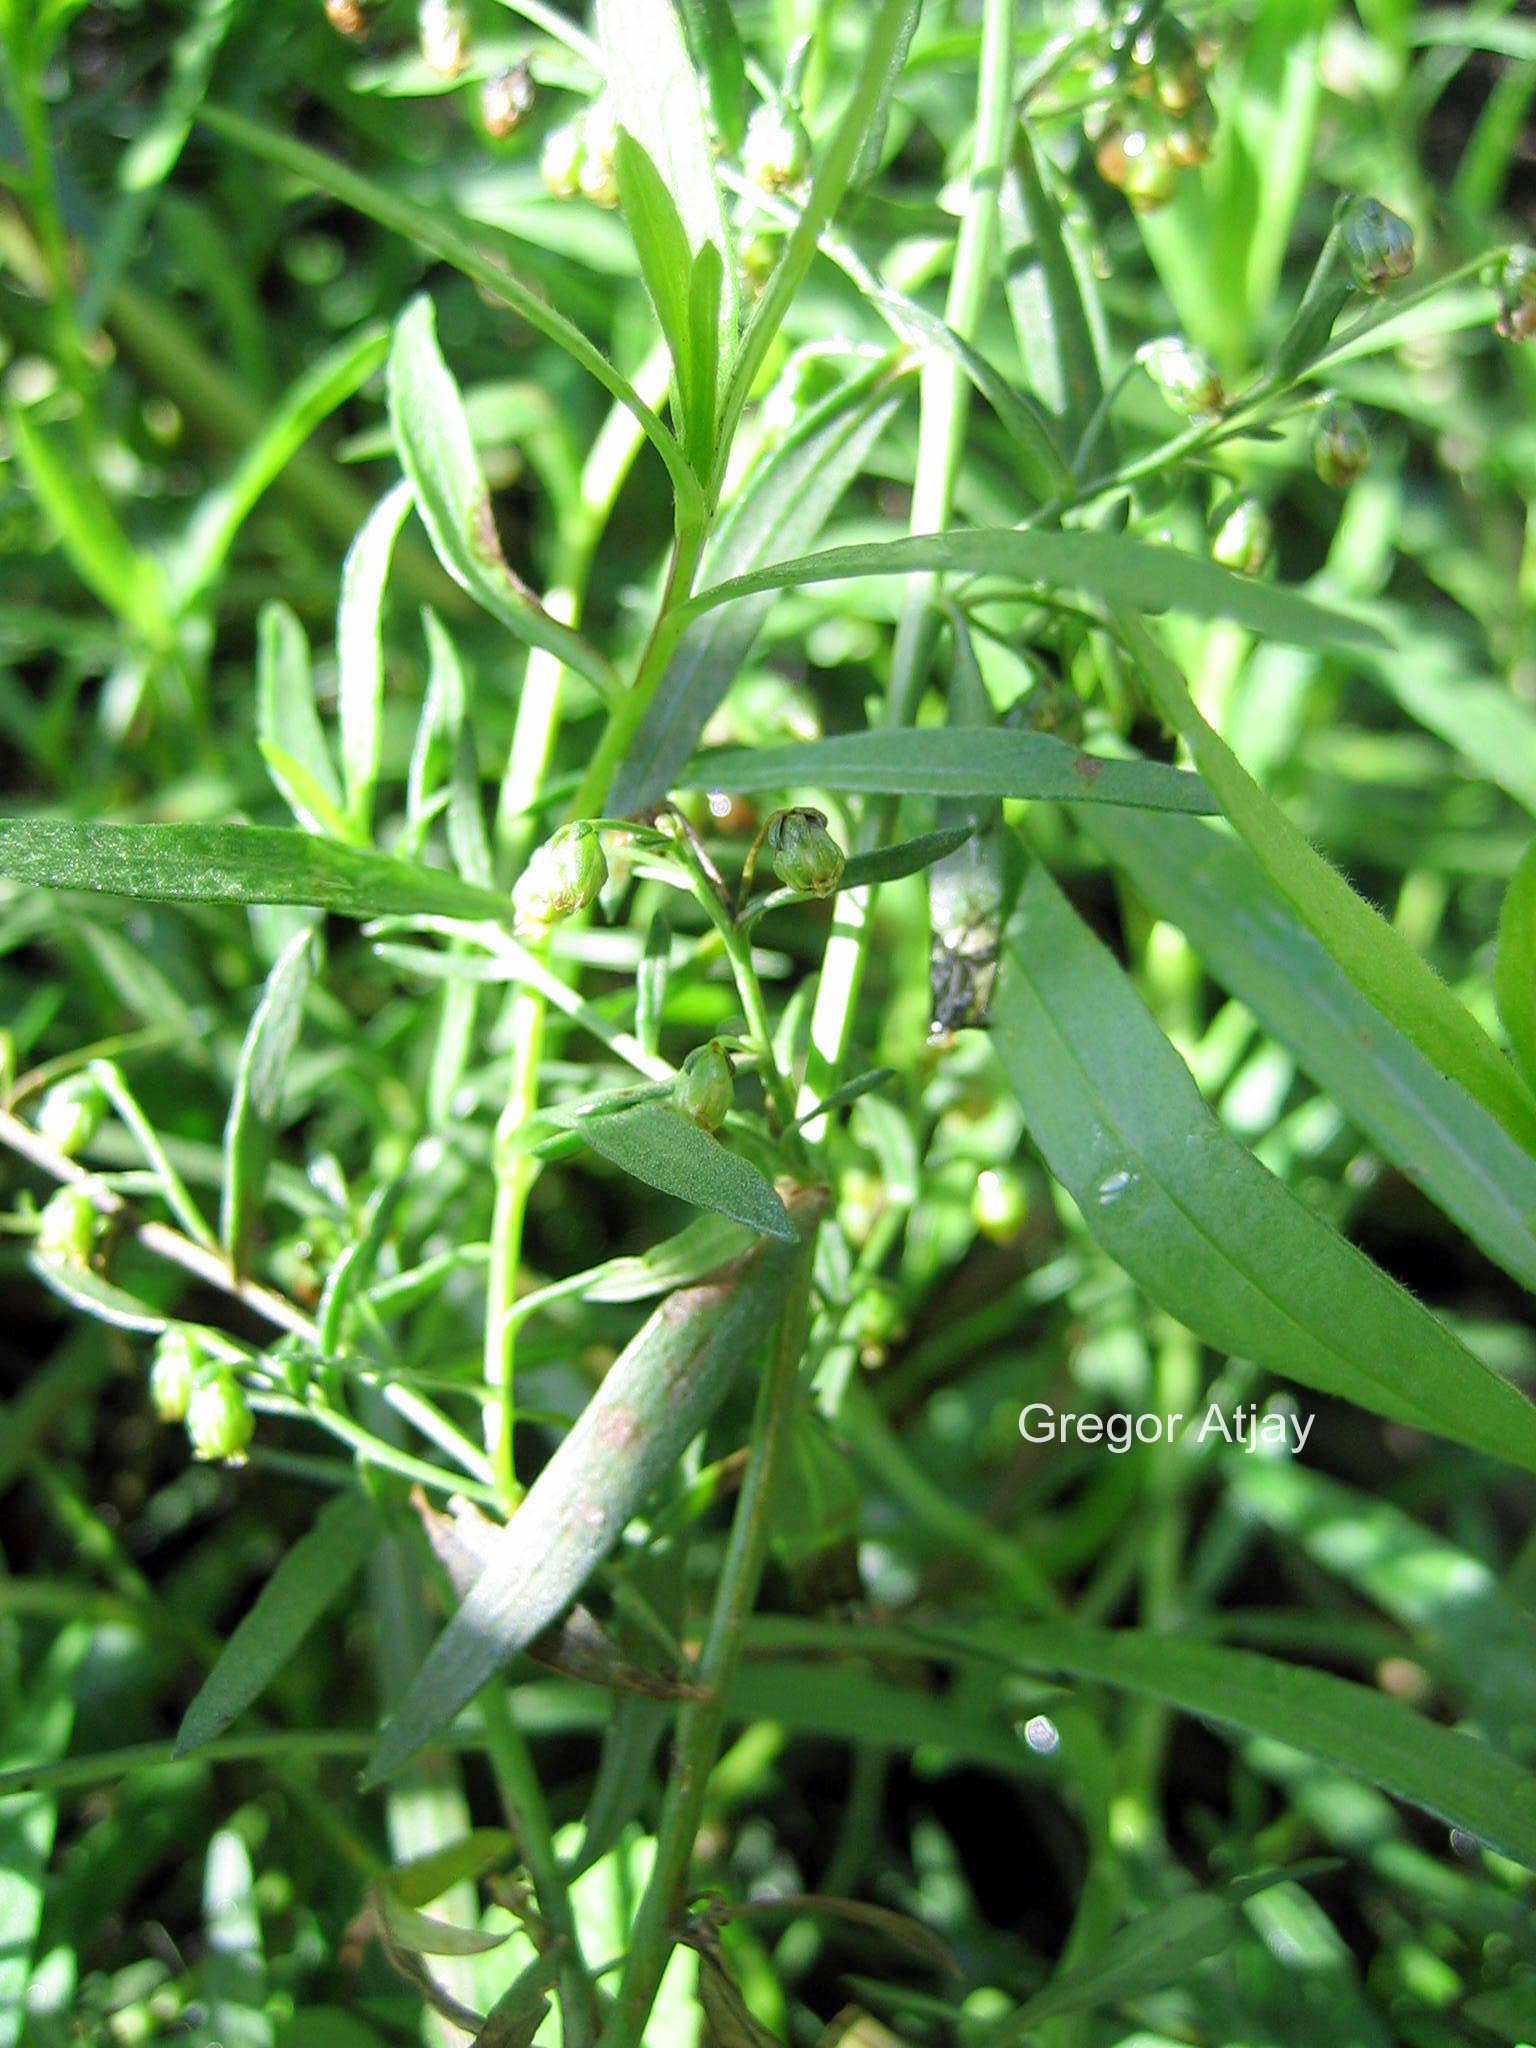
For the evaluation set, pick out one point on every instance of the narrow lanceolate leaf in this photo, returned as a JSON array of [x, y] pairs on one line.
[[1046, 297], [101, 554], [258, 1096], [906, 857], [233, 864], [953, 762], [437, 453], [1192, 1216], [313, 1575], [715, 47], [1212, 888], [655, 1398], [1360, 1730], [39, 1733], [360, 652], [1105, 566], [1515, 971], [656, 99], [311, 398], [660, 1146], [1481, 1637], [288, 728], [1380, 962], [784, 503], [1156, 1948]]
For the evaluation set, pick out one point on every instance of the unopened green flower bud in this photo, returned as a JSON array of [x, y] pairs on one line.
[[560, 161], [875, 1322], [506, 98], [704, 1089], [1517, 296], [1000, 1203], [1340, 445], [178, 1362], [70, 1114], [219, 1419], [69, 1226], [1170, 53], [1150, 177], [1378, 244], [777, 150], [442, 28], [805, 855], [1188, 140], [598, 179], [564, 876], [1244, 539], [1184, 375]]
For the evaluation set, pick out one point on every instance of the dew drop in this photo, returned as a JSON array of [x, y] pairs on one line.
[[1042, 1734]]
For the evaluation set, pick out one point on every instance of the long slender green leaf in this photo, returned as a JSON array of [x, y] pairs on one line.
[[1047, 299], [715, 47], [656, 99], [653, 1400], [360, 653], [311, 398], [785, 502], [1360, 1730], [427, 228], [952, 761], [311, 1578], [1375, 957], [259, 1079], [37, 1735], [1213, 889], [1515, 969], [233, 864], [288, 727], [1158, 1947], [1106, 565], [1450, 1599], [105, 560], [1192, 1216], [661, 1147], [437, 454]]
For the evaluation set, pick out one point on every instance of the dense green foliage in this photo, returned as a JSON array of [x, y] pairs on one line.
[[767, 1025]]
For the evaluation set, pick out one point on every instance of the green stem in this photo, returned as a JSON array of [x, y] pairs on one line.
[[523, 1798], [944, 408], [700, 1724]]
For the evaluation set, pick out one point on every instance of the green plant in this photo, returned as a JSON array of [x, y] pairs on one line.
[[629, 1128]]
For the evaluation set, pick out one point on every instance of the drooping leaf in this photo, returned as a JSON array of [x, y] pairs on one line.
[[259, 1078], [1363, 1732], [311, 1577], [233, 864], [653, 1400], [1107, 566], [952, 761], [1375, 956], [1210, 886], [1192, 1216], [666, 1150], [437, 454]]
